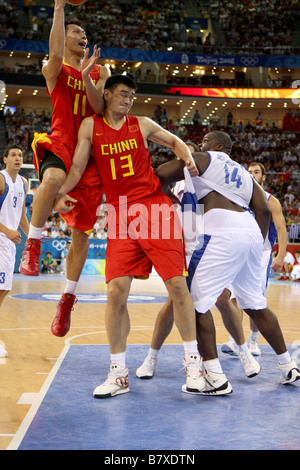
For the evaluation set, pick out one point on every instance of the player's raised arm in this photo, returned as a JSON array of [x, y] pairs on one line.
[[155, 133], [94, 92], [64, 203], [56, 43]]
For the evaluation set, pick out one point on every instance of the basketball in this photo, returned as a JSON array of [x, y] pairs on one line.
[[76, 2]]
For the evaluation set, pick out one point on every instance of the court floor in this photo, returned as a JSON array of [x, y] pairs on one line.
[[46, 383]]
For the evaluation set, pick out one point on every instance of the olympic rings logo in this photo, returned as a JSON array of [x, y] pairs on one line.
[[249, 61], [59, 245]]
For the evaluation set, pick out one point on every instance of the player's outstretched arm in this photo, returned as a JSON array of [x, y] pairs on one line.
[[64, 203], [52, 67], [154, 132]]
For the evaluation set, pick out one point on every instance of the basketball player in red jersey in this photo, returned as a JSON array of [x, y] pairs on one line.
[[121, 154], [75, 84]]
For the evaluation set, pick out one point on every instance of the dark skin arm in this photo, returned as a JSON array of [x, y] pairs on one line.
[[259, 205], [173, 170]]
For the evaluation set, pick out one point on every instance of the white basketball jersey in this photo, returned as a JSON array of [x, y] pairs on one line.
[[12, 201], [190, 215], [227, 178]]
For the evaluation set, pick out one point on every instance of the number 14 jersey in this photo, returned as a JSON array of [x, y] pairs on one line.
[[226, 177]]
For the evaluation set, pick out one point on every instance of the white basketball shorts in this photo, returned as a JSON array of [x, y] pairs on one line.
[[231, 255], [7, 263]]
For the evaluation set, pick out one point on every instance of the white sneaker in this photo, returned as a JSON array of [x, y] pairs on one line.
[[195, 382], [230, 348], [253, 347], [3, 353], [147, 369], [115, 384], [289, 372], [251, 366], [216, 384]]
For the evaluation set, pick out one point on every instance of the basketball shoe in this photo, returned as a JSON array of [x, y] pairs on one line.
[[62, 321], [29, 265], [147, 369], [251, 366], [115, 384], [215, 384], [289, 372], [230, 348], [254, 347], [195, 382]]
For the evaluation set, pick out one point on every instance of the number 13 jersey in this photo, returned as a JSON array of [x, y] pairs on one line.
[[123, 161]]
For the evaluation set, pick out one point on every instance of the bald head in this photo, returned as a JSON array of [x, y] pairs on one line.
[[217, 140]]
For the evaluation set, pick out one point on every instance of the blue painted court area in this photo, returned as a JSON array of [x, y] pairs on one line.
[[155, 415]]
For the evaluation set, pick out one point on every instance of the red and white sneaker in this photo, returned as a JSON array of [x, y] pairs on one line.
[[115, 384], [62, 321], [29, 265]]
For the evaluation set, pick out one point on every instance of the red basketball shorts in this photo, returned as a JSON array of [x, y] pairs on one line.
[[89, 190], [142, 236]]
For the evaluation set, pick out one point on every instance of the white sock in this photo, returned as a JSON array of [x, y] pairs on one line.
[[153, 353], [284, 358], [242, 347], [118, 359], [35, 232], [190, 347], [70, 287], [254, 336], [213, 365]]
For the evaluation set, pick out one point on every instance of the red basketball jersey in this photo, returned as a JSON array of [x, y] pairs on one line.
[[70, 104], [123, 161]]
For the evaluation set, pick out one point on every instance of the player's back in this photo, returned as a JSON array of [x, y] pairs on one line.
[[227, 178], [70, 104]]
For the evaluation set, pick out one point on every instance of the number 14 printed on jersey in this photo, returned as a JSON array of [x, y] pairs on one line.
[[234, 177]]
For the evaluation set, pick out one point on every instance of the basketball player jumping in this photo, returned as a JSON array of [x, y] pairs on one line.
[[75, 85]]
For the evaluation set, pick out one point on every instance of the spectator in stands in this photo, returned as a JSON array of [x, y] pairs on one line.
[[295, 274], [288, 264], [196, 118], [48, 264]]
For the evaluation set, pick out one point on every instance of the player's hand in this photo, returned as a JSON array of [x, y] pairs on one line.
[[277, 264], [14, 236], [89, 63], [64, 203], [191, 166]]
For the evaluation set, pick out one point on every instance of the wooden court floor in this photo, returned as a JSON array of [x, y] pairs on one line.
[[33, 350]]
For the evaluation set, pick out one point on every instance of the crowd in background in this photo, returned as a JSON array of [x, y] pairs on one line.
[[158, 25], [277, 150], [239, 27]]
